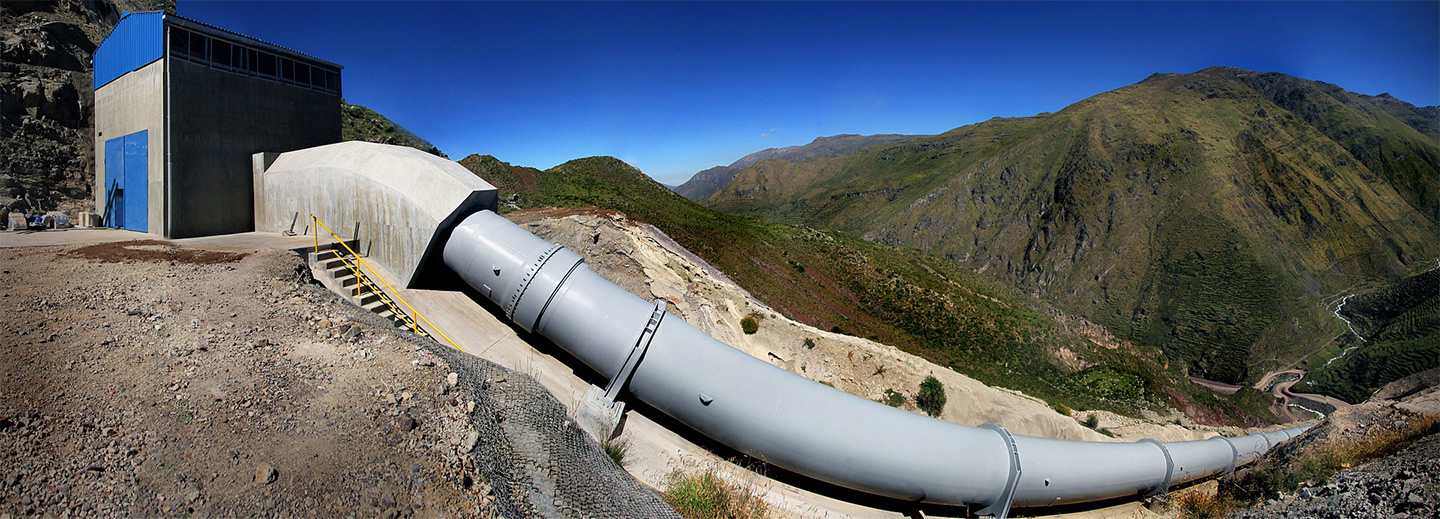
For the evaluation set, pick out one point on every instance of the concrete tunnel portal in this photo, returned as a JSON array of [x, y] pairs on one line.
[[418, 214]]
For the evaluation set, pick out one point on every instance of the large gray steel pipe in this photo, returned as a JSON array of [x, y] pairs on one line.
[[800, 425]]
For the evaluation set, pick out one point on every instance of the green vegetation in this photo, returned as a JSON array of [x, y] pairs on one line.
[[1401, 323], [749, 325], [923, 304], [616, 449], [809, 343], [358, 123], [931, 397], [1196, 504], [894, 398], [1207, 215], [1062, 409], [704, 495]]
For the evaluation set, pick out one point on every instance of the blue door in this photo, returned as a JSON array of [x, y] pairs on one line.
[[114, 178], [127, 175]]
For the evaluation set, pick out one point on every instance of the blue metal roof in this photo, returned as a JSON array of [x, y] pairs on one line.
[[137, 40]]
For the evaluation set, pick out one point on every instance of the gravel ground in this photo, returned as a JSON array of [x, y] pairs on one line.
[[1405, 485], [143, 379]]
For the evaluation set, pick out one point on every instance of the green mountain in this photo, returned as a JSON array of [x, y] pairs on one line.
[[705, 183], [358, 123], [1400, 324], [1207, 214], [921, 303]]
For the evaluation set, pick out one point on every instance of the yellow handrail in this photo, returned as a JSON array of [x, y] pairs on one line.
[[414, 326]]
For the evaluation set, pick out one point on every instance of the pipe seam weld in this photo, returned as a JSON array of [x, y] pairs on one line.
[[524, 284]]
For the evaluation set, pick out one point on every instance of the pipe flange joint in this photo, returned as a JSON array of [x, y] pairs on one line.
[[637, 352], [1164, 487], [1234, 455], [1000, 508]]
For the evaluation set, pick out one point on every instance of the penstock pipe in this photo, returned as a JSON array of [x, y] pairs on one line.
[[792, 422]]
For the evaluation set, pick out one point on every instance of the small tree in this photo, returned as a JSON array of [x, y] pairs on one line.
[[931, 398], [749, 325]]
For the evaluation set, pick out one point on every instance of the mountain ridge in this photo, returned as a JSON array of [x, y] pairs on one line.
[[704, 183], [1204, 213]]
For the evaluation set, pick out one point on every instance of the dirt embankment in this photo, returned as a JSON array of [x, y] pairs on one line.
[[146, 379]]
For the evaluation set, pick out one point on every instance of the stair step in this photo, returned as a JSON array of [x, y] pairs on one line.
[[375, 306], [369, 298]]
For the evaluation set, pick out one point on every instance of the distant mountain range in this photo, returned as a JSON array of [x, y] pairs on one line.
[[705, 183], [1209, 214]]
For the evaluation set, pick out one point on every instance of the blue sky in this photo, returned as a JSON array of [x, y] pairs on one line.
[[673, 88]]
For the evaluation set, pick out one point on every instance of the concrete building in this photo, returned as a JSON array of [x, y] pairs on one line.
[[180, 107]]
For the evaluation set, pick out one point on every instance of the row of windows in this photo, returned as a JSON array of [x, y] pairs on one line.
[[222, 54]]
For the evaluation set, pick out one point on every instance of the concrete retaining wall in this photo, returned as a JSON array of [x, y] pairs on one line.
[[394, 200]]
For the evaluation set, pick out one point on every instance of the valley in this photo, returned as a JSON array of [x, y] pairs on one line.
[[1211, 215]]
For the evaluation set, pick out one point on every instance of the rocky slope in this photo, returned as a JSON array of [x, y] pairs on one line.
[[46, 149], [160, 380], [1325, 473], [705, 183], [358, 123], [1208, 214]]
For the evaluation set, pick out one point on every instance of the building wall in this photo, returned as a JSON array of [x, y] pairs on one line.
[[218, 120], [130, 103]]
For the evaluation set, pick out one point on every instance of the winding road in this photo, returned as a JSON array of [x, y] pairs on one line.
[[1289, 399]]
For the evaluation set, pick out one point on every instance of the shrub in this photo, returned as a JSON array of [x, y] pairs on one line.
[[749, 325], [894, 398], [931, 398], [1092, 421], [616, 448], [704, 495], [809, 344], [1061, 408], [1199, 505]]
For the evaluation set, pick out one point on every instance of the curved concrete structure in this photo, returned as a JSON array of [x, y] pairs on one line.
[[399, 203], [792, 422]]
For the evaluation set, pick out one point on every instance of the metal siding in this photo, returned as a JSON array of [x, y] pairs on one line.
[[137, 40], [127, 181], [115, 182], [137, 179]]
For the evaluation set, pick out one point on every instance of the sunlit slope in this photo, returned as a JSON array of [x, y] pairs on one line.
[[1205, 213], [920, 303]]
